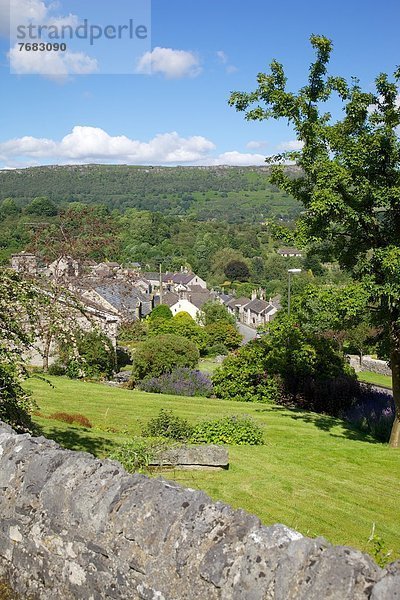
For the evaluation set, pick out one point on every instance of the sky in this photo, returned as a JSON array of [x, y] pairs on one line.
[[164, 99]]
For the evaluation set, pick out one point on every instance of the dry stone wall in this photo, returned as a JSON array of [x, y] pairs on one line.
[[73, 527]]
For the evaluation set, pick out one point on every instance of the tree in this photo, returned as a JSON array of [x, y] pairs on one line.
[[224, 334], [215, 312], [237, 270], [17, 319], [162, 354], [349, 181], [41, 207], [162, 311], [182, 325]]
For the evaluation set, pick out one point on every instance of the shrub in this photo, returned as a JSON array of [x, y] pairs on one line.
[[132, 331], [57, 369], [162, 354], [77, 418], [181, 382], [182, 325], [137, 454], [217, 350], [95, 356], [243, 376], [224, 334], [162, 311], [168, 425], [235, 430]]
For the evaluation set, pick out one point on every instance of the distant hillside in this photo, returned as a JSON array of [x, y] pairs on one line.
[[233, 194]]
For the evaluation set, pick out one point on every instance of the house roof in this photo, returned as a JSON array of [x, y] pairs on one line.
[[242, 301], [153, 275], [225, 298], [182, 277], [168, 298], [121, 295], [199, 298], [259, 306], [289, 251]]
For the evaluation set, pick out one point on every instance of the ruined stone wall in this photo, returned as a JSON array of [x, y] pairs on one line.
[[370, 364], [73, 527]]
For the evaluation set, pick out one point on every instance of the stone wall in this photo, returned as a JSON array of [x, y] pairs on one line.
[[370, 364], [73, 527]]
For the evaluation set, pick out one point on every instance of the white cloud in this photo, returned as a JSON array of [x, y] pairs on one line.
[[223, 59], [55, 65], [93, 144], [256, 144], [235, 158], [290, 146], [173, 64], [21, 11]]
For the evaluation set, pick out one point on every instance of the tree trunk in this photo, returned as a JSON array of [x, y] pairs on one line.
[[46, 352], [394, 441]]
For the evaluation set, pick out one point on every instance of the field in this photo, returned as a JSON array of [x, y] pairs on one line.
[[313, 473]]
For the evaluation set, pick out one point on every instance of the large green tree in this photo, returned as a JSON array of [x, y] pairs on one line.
[[349, 180]]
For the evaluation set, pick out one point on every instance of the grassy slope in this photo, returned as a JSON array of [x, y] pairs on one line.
[[313, 473], [375, 378]]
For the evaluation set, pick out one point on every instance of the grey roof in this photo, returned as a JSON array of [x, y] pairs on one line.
[[259, 306], [120, 295], [168, 298], [182, 277], [199, 298], [242, 301], [289, 251], [153, 275], [225, 298]]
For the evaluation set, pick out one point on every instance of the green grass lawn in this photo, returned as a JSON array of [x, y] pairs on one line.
[[208, 365], [313, 473], [375, 378]]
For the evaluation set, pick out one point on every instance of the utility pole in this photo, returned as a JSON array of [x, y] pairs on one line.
[[161, 287]]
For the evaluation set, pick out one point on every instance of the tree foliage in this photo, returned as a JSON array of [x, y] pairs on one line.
[[162, 354], [17, 318], [350, 177]]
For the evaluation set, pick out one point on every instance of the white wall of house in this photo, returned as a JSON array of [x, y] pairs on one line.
[[197, 281], [185, 306]]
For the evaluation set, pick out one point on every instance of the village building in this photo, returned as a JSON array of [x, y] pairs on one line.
[[290, 252]]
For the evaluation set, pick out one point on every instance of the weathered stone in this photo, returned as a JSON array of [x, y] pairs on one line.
[[211, 456], [72, 527]]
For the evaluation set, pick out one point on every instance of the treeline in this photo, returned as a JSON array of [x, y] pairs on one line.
[[232, 194]]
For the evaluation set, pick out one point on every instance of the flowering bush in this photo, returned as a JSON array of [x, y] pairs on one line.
[[374, 413], [181, 382]]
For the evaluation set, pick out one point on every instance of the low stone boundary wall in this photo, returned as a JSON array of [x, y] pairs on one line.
[[73, 527], [206, 456], [370, 364]]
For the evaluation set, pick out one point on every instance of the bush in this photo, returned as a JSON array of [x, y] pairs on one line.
[[224, 334], [162, 311], [57, 369], [181, 382], [96, 356], [76, 418], [182, 325], [132, 331], [162, 354], [235, 430], [243, 376], [217, 350], [137, 454], [168, 425]]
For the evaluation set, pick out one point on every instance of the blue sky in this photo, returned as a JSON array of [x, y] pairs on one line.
[[199, 52]]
